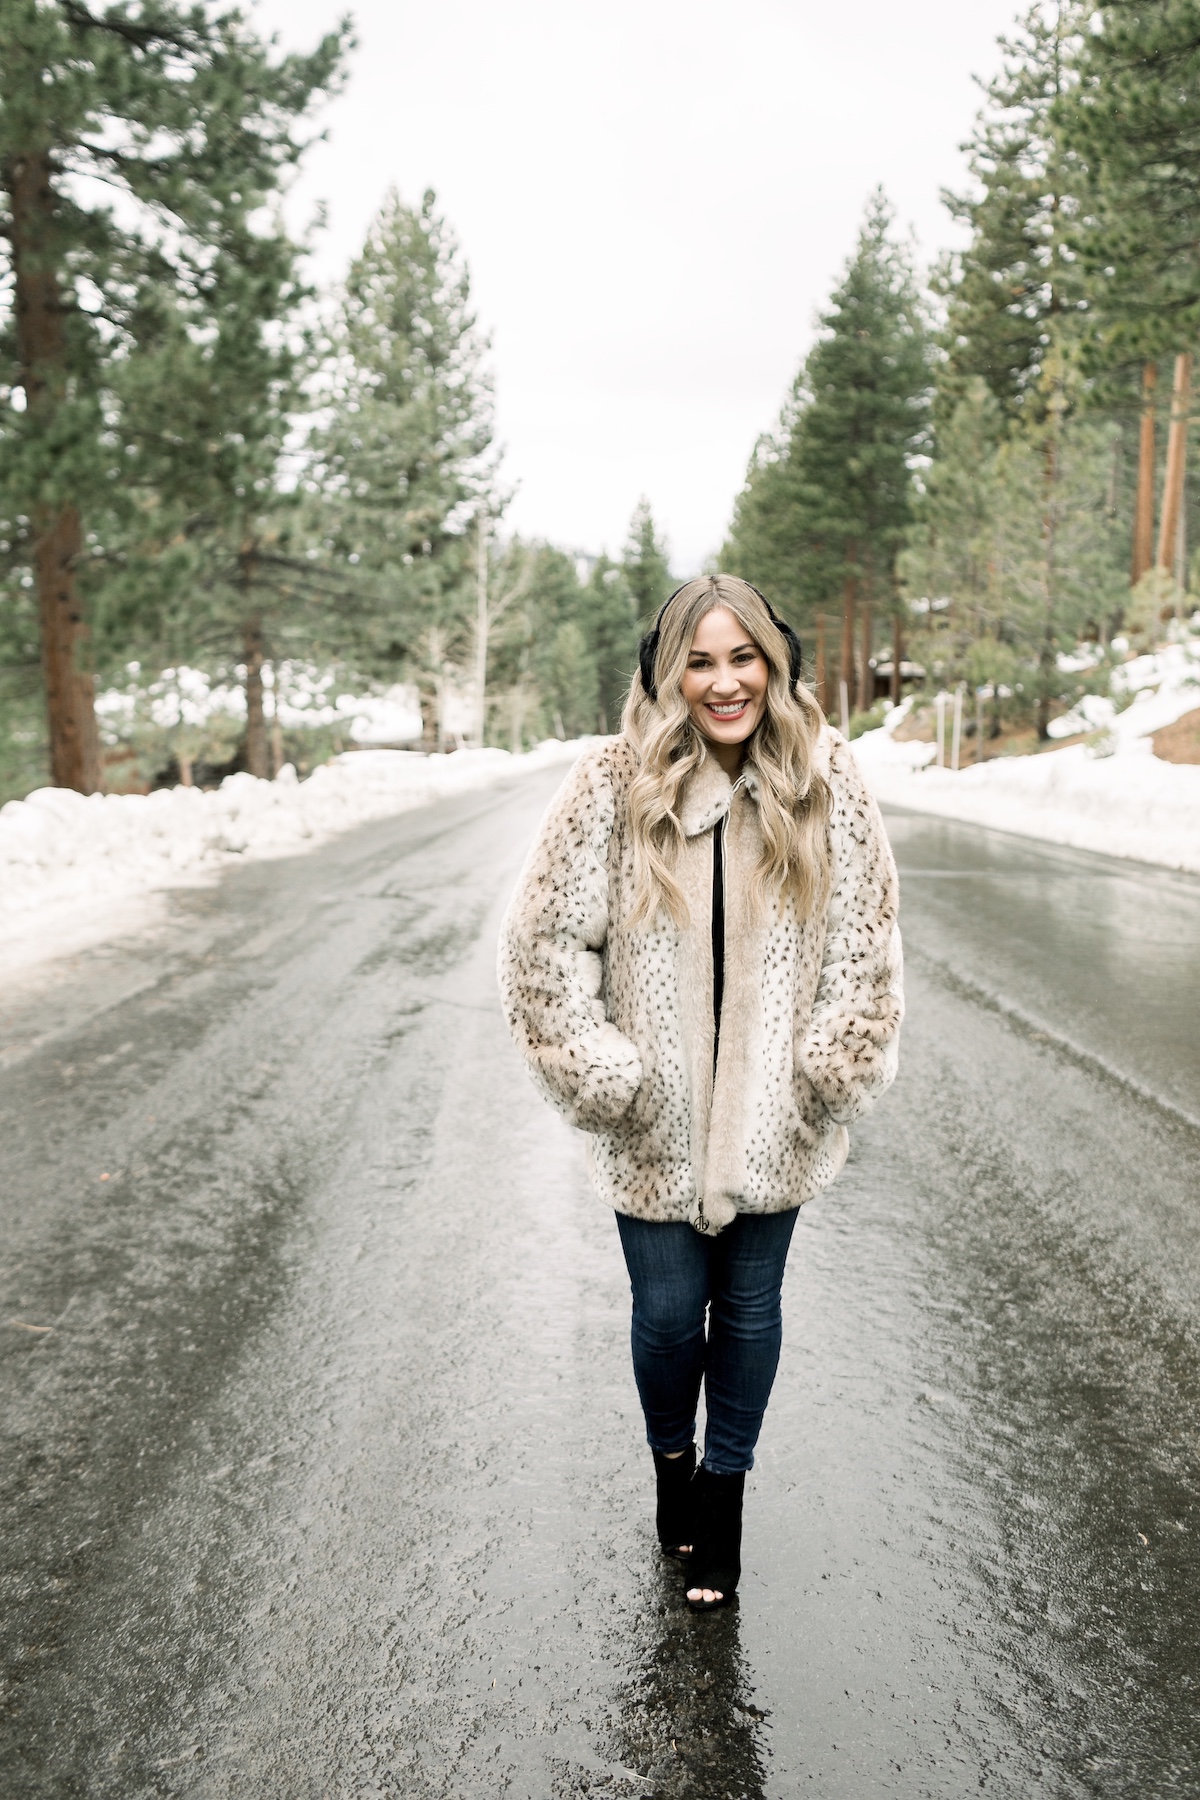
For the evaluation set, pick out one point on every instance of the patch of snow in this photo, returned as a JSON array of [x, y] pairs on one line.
[[391, 718], [910, 755], [1078, 661], [181, 696], [60, 850], [1113, 795], [1095, 712], [296, 694]]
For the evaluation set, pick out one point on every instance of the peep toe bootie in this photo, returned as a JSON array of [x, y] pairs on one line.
[[716, 1560], [674, 1514]]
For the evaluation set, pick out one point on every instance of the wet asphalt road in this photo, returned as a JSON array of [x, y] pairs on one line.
[[327, 1478]]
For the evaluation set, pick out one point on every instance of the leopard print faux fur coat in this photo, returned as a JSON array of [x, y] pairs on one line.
[[616, 1021]]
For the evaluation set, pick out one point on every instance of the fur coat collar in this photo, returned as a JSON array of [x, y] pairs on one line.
[[709, 791]]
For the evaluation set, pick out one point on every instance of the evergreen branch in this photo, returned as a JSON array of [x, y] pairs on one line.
[[142, 37]]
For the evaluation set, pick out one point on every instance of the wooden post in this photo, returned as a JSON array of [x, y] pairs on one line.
[[822, 696], [1176, 461], [1143, 518], [940, 709]]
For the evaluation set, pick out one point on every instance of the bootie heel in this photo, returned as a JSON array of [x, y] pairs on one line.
[[716, 1560], [674, 1513]]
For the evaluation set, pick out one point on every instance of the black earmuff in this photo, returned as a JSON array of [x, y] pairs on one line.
[[648, 647]]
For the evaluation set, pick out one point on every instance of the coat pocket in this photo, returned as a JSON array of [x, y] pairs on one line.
[[610, 1084], [813, 1120]]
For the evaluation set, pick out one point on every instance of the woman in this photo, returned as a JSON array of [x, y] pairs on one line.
[[701, 966]]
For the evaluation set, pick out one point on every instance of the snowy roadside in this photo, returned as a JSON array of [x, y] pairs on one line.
[[1111, 795], [63, 855]]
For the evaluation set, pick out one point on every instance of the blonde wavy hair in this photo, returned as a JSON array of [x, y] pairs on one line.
[[794, 802]]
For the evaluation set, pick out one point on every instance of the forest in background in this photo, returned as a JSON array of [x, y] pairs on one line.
[[225, 498], [967, 484]]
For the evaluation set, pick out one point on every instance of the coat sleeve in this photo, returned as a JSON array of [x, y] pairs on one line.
[[550, 963], [850, 1050]]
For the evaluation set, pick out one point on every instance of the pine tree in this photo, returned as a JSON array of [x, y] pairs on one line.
[[401, 468], [543, 668], [1019, 299], [610, 619], [950, 557], [646, 565], [564, 652], [570, 680], [1134, 117], [1016, 551], [766, 542], [219, 577], [1059, 554], [1017, 285], [191, 120], [828, 499]]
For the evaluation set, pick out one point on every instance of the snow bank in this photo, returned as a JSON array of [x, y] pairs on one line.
[[58, 848], [1111, 794]]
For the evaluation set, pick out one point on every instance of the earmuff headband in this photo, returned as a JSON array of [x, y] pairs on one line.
[[648, 647]]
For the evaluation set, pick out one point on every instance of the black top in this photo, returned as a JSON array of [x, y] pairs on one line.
[[718, 930]]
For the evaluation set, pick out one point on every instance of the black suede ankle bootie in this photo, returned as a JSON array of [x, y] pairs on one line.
[[716, 1560], [674, 1514]]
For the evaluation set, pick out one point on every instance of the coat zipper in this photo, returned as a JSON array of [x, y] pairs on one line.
[[718, 938]]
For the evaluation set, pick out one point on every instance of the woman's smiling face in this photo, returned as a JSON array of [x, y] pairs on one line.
[[725, 682]]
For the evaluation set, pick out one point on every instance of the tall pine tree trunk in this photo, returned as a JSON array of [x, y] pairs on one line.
[[58, 533], [69, 688], [897, 656], [482, 627], [821, 680], [257, 747], [1143, 518], [258, 752], [865, 682], [275, 728], [846, 660], [1176, 461]]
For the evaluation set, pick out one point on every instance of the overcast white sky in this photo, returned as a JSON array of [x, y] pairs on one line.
[[654, 197]]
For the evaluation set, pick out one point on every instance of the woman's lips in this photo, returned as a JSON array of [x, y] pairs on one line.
[[726, 709]]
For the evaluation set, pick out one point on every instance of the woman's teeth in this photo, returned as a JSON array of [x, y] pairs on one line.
[[729, 710]]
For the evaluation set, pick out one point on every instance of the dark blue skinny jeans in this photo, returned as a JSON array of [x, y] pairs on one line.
[[676, 1275]]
